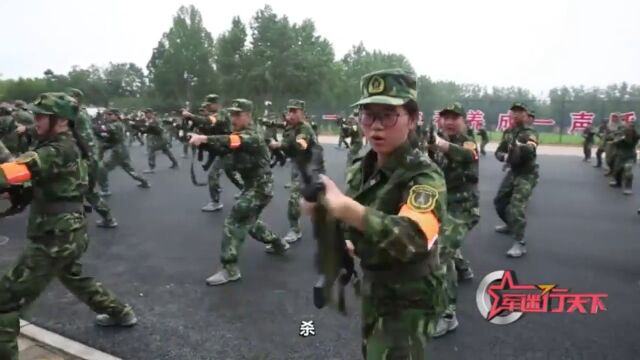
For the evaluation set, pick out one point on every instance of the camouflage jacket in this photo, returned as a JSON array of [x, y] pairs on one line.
[[5, 154], [114, 134], [482, 132], [59, 179], [156, 133], [520, 144], [250, 156], [461, 171], [8, 133], [408, 186], [84, 127], [23, 117], [588, 135], [625, 143], [297, 139], [222, 124]]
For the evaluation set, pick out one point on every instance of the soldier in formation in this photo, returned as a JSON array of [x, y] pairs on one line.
[[484, 140], [84, 127], [517, 150], [215, 122], [355, 133], [588, 136], [392, 210], [624, 145], [157, 140], [57, 229], [457, 155], [296, 139], [249, 153], [113, 136]]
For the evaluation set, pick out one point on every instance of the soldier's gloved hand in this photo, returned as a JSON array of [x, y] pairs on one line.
[[501, 156]]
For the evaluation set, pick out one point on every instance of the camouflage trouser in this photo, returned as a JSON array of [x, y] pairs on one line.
[[293, 205], [610, 156], [483, 144], [397, 320], [46, 258], [243, 220], [342, 140], [118, 158], [623, 171], [356, 146], [213, 180], [452, 235], [164, 148], [92, 196], [586, 149], [511, 202]]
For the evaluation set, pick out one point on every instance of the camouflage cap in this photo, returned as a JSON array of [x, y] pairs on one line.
[[148, 110], [295, 104], [76, 93], [240, 105], [389, 87], [59, 104], [519, 105], [455, 108], [20, 104], [211, 99]]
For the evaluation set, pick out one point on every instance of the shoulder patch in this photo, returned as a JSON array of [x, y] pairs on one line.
[[469, 145], [422, 198]]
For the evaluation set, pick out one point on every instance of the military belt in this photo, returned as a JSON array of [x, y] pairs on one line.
[[58, 207], [399, 272]]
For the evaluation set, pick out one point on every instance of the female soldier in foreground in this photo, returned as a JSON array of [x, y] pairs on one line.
[[57, 227], [392, 210]]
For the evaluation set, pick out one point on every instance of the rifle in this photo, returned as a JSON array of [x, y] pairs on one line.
[[333, 261], [190, 126]]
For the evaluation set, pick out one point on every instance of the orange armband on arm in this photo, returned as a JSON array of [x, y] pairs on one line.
[[426, 221], [14, 173], [234, 141]]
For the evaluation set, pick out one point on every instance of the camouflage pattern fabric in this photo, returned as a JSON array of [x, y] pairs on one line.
[[356, 140], [5, 154], [84, 128], [297, 138], [613, 131], [116, 133], [588, 141], [251, 160], [57, 240], [625, 148], [400, 312], [517, 186], [158, 140], [461, 169], [484, 140], [221, 127]]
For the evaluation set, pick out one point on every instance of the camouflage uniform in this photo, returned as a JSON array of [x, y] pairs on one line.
[[518, 149], [461, 171], [484, 140], [157, 140], [250, 155], [624, 145], [222, 126], [84, 128], [614, 130], [5, 155], [403, 290], [57, 231], [114, 137], [588, 136], [601, 134], [22, 117], [344, 130], [356, 139], [298, 134]]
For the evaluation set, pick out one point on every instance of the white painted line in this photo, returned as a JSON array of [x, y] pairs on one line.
[[63, 344]]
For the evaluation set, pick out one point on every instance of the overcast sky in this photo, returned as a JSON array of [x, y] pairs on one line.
[[535, 44]]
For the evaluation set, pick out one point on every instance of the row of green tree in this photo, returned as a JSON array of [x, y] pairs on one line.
[[272, 58]]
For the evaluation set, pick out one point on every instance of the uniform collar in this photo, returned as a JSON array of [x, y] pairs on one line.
[[395, 160]]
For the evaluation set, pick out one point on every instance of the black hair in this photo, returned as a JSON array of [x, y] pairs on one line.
[[411, 107]]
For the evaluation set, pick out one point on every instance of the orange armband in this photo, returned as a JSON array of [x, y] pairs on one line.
[[426, 221], [15, 173], [234, 141]]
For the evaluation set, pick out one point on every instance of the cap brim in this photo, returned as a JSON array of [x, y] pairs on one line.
[[38, 110], [443, 112], [295, 107], [519, 107], [381, 99], [234, 109]]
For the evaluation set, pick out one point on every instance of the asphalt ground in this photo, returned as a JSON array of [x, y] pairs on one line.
[[581, 235]]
